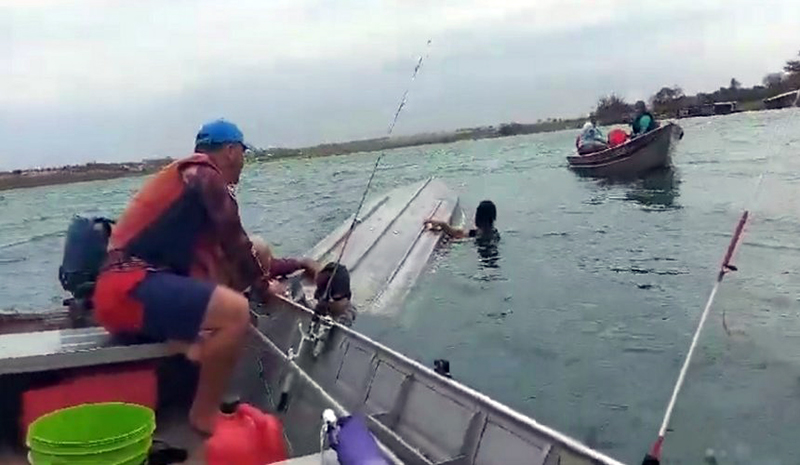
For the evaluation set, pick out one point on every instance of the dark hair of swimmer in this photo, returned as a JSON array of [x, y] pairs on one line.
[[340, 287], [485, 215]]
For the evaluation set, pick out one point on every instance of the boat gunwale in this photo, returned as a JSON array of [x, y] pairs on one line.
[[430, 377]]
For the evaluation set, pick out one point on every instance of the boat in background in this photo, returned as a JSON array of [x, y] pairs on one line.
[[632, 158]]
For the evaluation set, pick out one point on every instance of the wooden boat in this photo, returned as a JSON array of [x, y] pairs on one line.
[[298, 364], [636, 156]]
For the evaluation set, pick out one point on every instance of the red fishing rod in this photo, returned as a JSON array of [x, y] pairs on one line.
[[653, 457]]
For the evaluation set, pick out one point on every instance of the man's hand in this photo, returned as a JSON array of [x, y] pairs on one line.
[[434, 224], [266, 287], [311, 268], [276, 288]]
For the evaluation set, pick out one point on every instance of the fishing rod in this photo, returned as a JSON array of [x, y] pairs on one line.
[[316, 334], [326, 296], [653, 457]]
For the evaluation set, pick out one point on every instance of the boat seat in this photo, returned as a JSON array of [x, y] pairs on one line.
[[71, 348]]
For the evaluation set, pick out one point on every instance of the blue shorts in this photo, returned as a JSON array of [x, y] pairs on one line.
[[173, 306]]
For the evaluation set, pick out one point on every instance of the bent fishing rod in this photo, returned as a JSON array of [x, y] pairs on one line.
[[653, 457], [326, 296]]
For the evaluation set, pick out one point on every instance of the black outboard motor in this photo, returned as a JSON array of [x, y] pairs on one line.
[[84, 253]]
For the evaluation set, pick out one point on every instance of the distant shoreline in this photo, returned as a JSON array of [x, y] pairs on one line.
[[21, 179]]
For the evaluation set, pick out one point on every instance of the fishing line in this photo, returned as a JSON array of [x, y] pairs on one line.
[[326, 295], [654, 456]]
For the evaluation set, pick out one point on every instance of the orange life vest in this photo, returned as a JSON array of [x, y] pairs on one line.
[[153, 227]]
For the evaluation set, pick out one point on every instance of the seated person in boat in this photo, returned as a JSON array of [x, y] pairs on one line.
[[643, 121], [164, 275], [591, 138], [485, 216]]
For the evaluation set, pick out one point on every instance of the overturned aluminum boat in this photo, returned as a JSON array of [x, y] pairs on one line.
[[297, 364], [389, 247]]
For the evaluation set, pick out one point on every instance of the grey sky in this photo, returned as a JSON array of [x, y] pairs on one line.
[[119, 80]]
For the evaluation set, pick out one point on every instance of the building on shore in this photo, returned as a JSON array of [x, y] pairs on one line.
[[707, 109], [784, 100]]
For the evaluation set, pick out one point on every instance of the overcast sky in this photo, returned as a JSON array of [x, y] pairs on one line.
[[122, 80]]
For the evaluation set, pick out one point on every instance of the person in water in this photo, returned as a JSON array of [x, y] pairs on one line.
[[337, 303], [643, 120], [591, 138], [179, 260], [485, 216]]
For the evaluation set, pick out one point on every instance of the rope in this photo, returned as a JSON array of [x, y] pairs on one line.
[[326, 295]]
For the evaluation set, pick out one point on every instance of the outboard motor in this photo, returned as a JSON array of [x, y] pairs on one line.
[[84, 254]]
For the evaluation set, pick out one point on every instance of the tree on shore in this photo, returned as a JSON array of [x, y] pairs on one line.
[[612, 109], [667, 100], [792, 69], [792, 66], [772, 80]]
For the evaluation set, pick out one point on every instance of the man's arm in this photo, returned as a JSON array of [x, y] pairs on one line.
[[287, 266], [223, 212], [456, 233]]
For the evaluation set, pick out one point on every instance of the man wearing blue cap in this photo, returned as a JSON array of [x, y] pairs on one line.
[[179, 259]]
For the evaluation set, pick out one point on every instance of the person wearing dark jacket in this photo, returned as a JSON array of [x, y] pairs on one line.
[[643, 121]]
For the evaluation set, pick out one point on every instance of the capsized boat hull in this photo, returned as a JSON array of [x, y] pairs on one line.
[[644, 153], [389, 247]]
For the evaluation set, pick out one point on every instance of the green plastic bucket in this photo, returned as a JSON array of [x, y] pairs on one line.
[[92, 427], [84, 449], [131, 454]]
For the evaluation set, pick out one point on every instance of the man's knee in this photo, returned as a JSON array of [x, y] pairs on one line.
[[228, 308]]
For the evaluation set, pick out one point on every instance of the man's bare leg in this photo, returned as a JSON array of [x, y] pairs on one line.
[[224, 331]]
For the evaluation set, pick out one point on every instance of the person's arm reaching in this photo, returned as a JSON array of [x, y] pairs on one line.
[[287, 266], [456, 233], [223, 212]]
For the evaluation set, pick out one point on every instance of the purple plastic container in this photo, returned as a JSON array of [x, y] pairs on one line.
[[354, 444]]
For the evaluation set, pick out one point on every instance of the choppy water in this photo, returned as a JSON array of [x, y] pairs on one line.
[[585, 316]]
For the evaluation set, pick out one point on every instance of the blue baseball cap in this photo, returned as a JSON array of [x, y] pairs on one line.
[[220, 132]]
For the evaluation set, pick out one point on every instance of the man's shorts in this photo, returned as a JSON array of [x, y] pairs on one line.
[[157, 304]]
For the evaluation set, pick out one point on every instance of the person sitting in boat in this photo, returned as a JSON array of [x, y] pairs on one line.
[[167, 256], [485, 216], [591, 138], [643, 121]]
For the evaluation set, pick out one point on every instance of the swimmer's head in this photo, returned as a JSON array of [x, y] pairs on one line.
[[485, 215]]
